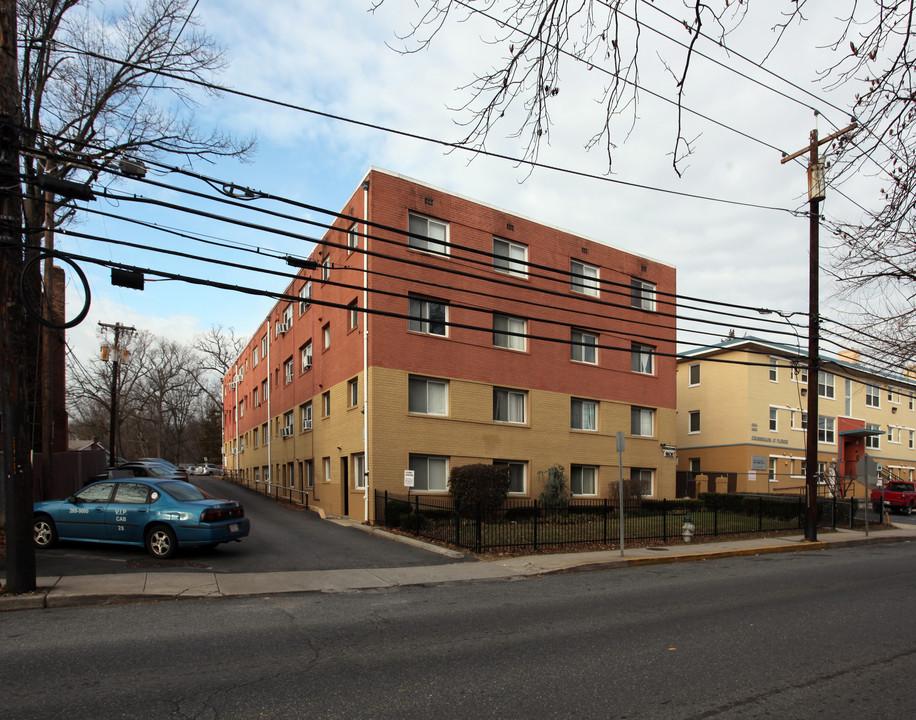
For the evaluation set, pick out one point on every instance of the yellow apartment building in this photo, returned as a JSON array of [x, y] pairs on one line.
[[742, 419]]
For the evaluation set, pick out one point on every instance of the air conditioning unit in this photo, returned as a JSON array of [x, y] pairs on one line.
[[232, 385], [286, 431], [234, 451], [282, 328]]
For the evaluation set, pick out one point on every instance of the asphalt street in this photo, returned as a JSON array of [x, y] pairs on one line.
[[808, 634]]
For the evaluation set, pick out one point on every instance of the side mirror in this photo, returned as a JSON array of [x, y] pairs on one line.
[[72, 499]]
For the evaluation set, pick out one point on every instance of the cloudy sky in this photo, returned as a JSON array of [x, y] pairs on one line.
[[338, 58]]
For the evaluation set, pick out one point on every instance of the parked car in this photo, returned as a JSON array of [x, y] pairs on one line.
[[161, 515], [144, 469], [172, 465], [208, 469], [899, 495]]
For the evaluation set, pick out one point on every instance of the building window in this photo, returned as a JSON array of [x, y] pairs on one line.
[[873, 396], [774, 418], [359, 471], [825, 384], [254, 437], [264, 433], [306, 412], [305, 295], [641, 358], [825, 429], [426, 396], [693, 421], [508, 405], [256, 475], [912, 443], [264, 346], [584, 347], [309, 474], [353, 392], [583, 414], [693, 375], [326, 462], [353, 314], [510, 257], [263, 391], [326, 336], [583, 278], [305, 355], [326, 267], [427, 234], [254, 357], [798, 415], [872, 442], [430, 473], [774, 369], [353, 238], [642, 295], [241, 408], [427, 316], [642, 422], [518, 472], [288, 315], [326, 403], [287, 423], [288, 370], [583, 479], [502, 326], [771, 469], [254, 397], [642, 480]]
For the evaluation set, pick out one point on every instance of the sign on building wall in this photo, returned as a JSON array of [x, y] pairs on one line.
[[408, 478], [758, 462]]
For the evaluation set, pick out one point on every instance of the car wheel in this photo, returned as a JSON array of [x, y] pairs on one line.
[[908, 510], [43, 531], [161, 542]]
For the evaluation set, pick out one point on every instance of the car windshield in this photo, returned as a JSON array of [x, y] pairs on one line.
[[183, 491], [898, 487]]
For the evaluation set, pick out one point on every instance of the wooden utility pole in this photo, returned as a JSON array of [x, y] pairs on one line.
[[816, 193], [17, 467]]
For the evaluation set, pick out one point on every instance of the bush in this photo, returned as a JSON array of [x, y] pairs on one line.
[[521, 514], [484, 484], [396, 511], [556, 488]]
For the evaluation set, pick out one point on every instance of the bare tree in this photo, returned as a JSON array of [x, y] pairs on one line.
[[871, 53], [217, 348]]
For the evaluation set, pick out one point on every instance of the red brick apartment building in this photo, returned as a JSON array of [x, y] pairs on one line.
[[435, 331]]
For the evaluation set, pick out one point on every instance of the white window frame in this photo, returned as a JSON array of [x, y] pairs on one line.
[[584, 279], [872, 396], [419, 311], [693, 428], [288, 371], [505, 324], [690, 379], [578, 345], [305, 356], [327, 469], [640, 355], [306, 412], [643, 472], [826, 430], [774, 419], [305, 296], [353, 237], [254, 357], [581, 480], [359, 471], [264, 346], [417, 462], [326, 336], [511, 400], [510, 257], [326, 267], [582, 416], [642, 294], [774, 369], [326, 403], [353, 315], [825, 385], [517, 465], [419, 239], [288, 421], [872, 442], [353, 392], [418, 395], [638, 418], [288, 315]]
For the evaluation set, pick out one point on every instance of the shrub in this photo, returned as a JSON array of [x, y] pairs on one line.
[[521, 514], [396, 511], [556, 487], [484, 484]]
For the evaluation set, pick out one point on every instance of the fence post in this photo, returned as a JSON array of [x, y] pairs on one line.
[[604, 539], [665, 520], [536, 518], [416, 512], [479, 541], [458, 523]]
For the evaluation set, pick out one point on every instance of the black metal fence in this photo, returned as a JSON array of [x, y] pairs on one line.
[[530, 524]]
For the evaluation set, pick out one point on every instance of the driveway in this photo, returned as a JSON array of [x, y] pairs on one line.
[[281, 539]]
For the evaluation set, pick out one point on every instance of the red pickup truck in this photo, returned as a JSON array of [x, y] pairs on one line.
[[899, 495]]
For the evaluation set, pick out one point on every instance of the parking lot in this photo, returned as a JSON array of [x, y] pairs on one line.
[[282, 539]]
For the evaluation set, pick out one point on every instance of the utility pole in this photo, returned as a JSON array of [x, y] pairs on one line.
[[816, 192], [17, 466], [117, 354]]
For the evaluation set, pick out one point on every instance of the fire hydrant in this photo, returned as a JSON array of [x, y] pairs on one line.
[[687, 529]]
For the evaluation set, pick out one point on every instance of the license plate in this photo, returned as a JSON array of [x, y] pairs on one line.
[[233, 527]]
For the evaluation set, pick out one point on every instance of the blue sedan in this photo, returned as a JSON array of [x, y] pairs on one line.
[[160, 515]]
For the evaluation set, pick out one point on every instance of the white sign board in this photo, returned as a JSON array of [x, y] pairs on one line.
[[408, 478]]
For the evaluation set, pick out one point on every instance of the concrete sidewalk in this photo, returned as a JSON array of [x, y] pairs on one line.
[[66, 591]]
